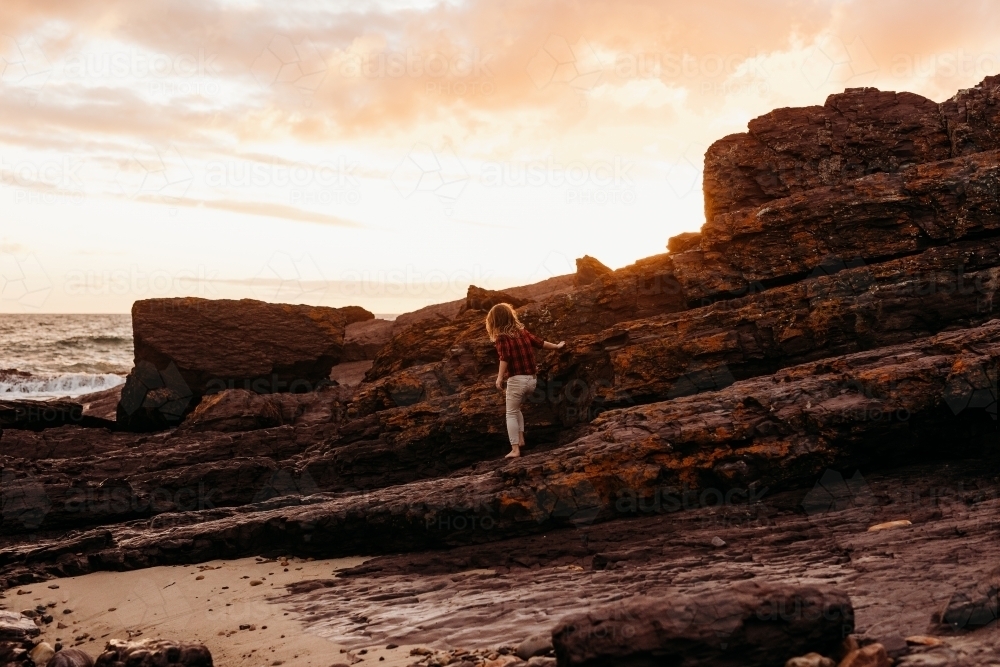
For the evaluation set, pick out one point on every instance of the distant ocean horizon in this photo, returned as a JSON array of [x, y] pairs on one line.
[[62, 355]]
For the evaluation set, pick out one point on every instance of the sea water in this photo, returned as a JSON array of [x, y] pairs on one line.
[[64, 355]]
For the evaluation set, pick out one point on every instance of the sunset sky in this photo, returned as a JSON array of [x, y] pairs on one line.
[[388, 154]]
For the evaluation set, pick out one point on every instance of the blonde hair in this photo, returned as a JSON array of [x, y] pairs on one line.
[[502, 321]]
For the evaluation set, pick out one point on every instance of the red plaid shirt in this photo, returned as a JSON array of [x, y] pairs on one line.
[[517, 352]]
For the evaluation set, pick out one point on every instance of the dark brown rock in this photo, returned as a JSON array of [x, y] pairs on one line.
[[755, 624], [102, 404], [974, 605], [708, 348], [871, 218], [423, 342], [234, 410], [363, 340], [684, 242], [972, 117], [39, 415], [484, 299], [588, 270], [71, 657], [867, 409], [187, 348], [856, 133], [154, 653]]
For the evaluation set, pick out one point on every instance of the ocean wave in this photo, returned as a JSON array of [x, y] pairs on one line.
[[52, 386], [94, 340]]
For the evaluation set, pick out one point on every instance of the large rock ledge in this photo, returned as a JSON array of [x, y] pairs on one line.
[[873, 408], [187, 348], [855, 133]]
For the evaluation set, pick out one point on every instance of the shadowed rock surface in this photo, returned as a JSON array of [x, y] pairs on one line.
[[187, 348], [741, 626]]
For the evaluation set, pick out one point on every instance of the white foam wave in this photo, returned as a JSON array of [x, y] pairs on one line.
[[53, 386]]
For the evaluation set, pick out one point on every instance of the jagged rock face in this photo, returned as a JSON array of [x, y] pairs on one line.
[[974, 605], [588, 270], [973, 117], [363, 340], [753, 624], [872, 218], [872, 409], [187, 348], [708, 348], [481, 299], [856, 133], [238, 410]]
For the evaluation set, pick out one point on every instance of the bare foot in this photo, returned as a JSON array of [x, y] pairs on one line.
[[515, 452]]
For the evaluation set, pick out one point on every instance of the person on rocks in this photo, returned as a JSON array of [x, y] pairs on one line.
[[517, 365]]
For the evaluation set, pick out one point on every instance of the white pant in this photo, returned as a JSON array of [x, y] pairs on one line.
[[518, 387]]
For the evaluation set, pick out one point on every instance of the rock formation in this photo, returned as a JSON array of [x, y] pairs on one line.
[[742, 626], [187, 348], [588, 270], [707, 422], [154, 653]]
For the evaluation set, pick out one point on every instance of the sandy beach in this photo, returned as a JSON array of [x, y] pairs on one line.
[[217, 603]]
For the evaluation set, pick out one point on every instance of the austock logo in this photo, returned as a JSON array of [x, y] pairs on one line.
[[155, 172], [575, 502], [669, 499], [286, 482], [23, 280], [283, 63], [164, 392], [698, 380], [23, 501], [291, 279], [558, 62], [440, 173], [22, 63], [118, 496], [832, 61], [834, 493], [973, 387], [715, 610]]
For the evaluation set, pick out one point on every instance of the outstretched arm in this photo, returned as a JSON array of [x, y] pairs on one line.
[[554, 346], [501, 374]]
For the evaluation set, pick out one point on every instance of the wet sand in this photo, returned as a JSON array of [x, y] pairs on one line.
[[204, 603]]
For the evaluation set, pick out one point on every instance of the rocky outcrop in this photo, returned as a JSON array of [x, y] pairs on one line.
[[753, 624], [588, 270], [102, 404], [71, 657], [856, 308], [871, 218], [838, 318], [868, 409], [483, 299], [154, 653], [363, 340], [187, 348], [18, 637], [974, 605], [856, 133]]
